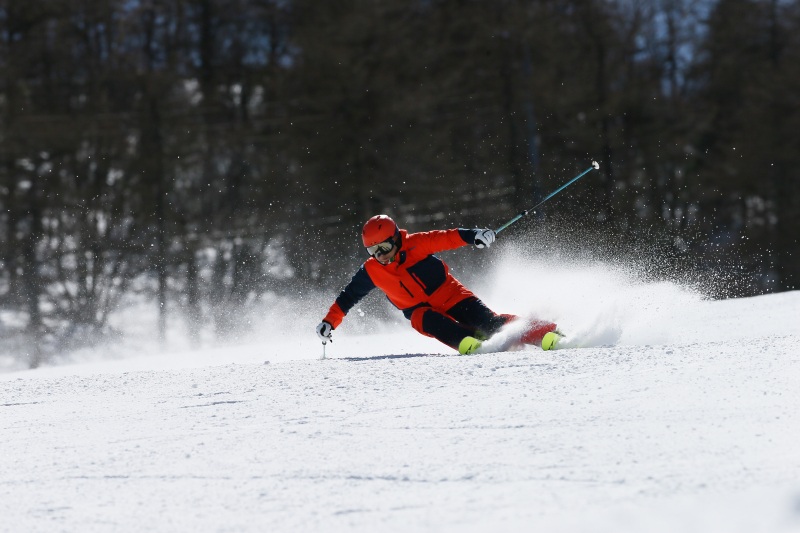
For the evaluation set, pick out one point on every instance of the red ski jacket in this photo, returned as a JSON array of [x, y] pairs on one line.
[[415, 278]]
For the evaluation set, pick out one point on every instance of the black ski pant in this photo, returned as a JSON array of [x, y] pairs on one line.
[[468, 318]]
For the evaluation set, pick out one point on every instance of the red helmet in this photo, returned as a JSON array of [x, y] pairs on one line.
[[378, 229]]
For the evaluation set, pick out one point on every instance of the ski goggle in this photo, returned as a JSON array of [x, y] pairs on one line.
[[382, 248]]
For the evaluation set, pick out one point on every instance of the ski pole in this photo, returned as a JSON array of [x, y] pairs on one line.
[[595, 166]]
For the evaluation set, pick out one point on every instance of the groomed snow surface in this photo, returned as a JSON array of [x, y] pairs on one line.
[[675, 414]]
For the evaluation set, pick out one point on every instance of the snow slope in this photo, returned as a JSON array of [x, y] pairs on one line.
[[683, 416]]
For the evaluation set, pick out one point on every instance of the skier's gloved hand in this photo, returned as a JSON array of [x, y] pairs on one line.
[[324, 331], [484, 238]]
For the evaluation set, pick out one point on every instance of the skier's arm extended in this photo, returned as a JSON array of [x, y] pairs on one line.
[[358, 287], [441, 240]]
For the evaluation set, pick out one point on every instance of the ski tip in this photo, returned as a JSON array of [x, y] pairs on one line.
[[596, 165]]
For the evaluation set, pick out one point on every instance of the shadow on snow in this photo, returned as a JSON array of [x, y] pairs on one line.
[[394, 356]]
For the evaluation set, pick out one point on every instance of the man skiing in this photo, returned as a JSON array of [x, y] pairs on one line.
[[418, 283]]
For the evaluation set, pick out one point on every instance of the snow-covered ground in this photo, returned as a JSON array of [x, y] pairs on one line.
[[676, 414]]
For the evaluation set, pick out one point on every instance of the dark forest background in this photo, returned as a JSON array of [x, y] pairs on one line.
[[202, 153]]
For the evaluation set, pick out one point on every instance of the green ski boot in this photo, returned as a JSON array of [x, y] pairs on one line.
[[550, 340], [468, 345]]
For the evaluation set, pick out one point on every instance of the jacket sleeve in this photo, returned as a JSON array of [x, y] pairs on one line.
[[358, 287], [441, 240]]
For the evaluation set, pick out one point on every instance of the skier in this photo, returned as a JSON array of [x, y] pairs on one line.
[[418, 283]]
